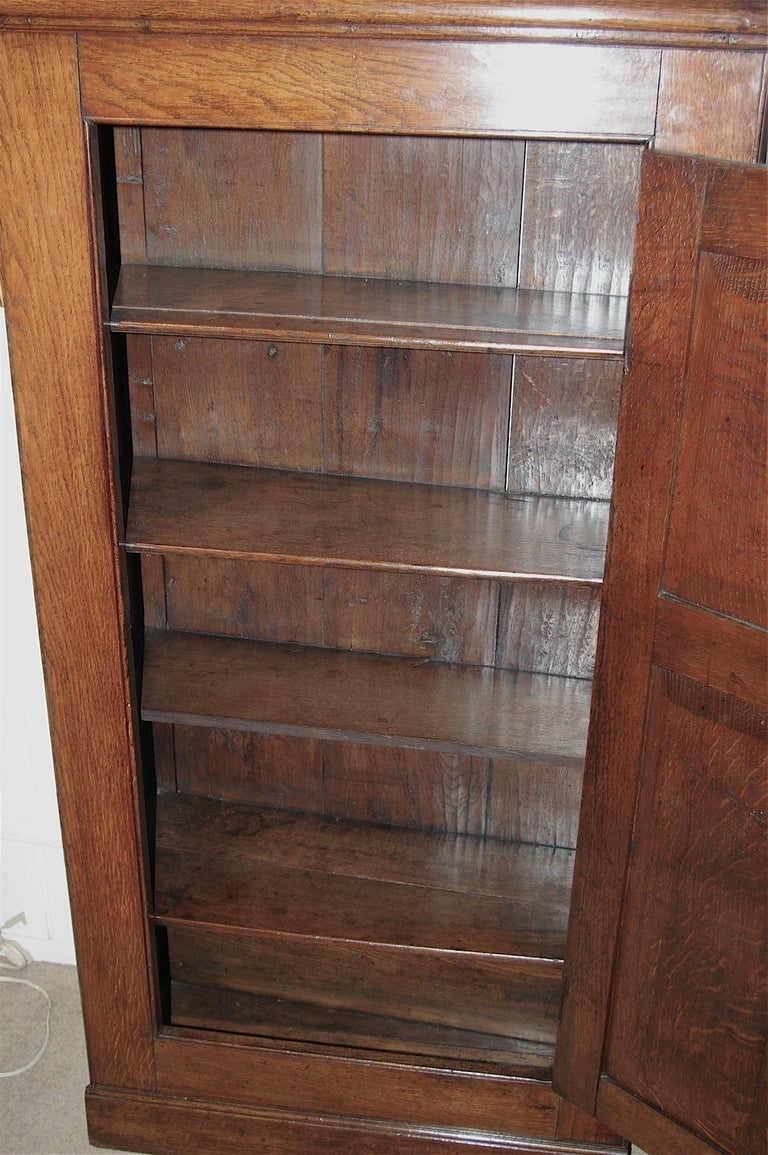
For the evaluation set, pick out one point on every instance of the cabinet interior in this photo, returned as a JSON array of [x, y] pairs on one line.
[[373, 385]]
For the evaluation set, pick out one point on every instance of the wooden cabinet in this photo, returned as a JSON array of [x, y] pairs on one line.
[[318, 337]]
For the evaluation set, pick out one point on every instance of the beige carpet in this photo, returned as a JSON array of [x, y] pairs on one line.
[[41, 1111]]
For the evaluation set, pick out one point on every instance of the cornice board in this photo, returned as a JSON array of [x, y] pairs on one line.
[[684, 23]]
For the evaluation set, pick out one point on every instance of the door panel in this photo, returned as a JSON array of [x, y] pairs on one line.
[[665, 1016]]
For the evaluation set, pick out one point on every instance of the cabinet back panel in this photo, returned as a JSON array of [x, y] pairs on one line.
[[579, 216], [427, 209], [420, 789], [542, 627], [403, 207], [563, 429], [406, 415]]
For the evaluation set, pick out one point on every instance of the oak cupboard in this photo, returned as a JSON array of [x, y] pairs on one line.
[[318, 323]]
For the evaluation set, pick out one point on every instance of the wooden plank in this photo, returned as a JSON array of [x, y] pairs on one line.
[[533, 802], [232, 512], [446, 208], [416, 415], [730, 128], [705, 22], [728, 656], [129, 179], [352, 310], [403, 986], [579, 216], [212, 1008], [734, 222], [548, 628], [237, 684], [58, 374], [563, 429], [695, 911], [248, 402], [727, 404], [351, 84], [228, 198], [236, 867]]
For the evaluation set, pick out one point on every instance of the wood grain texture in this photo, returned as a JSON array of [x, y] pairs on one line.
[[682, 22], [233, 199], [353, 84], [141, 392], [233, 512], [728, 127], [691, 947], [183, 302], [548, 628], [409, 415], [563, 431], [697, 916], [129, 179], [68, 480], [237, 684], [671, 207], [228, 865], [246, 402], [534, 802], [579, 216], [721, 463], [408, 990], [445, 209]]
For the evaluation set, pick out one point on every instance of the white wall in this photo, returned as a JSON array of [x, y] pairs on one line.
[[32, 877]]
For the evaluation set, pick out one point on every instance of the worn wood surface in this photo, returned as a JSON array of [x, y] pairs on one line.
[[421, 995], [231, 512], [240, 684], [353, 84], [185, 302], [57, 366], [703, 22], [306, 875], [690, 955]]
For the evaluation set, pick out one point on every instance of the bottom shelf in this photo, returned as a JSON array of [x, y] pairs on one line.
[[300, 927]]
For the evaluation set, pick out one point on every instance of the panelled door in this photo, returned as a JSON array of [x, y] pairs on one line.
[[664, 1027]]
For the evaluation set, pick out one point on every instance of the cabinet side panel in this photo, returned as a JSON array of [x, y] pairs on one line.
[[71, 512]]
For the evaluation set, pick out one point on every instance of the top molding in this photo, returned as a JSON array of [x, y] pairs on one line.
[[689, 23]]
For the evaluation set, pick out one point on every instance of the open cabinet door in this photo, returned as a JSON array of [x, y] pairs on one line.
[[664, 1026]]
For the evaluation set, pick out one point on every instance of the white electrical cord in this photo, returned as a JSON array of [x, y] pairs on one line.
[[28, 1066]]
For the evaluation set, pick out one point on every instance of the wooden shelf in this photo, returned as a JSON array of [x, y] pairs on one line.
[[239, 684], [313, 519], [385, 926], [193, 302]]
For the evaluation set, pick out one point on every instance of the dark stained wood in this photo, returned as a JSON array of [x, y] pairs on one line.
[[232, 512], [563, 430], [446, 209], [141, 392], [239, 684], [352, 310], [229, 866], [579, 216], [214, 1008], [405, 787], [689, 937], [278, 603], [129, 179], [574, 1124], [417, 416], [58, 373], [665, 264], [534, 802], [350, 84], [154, 591], [407, 987], [729, 127], [265, 769], [548, 628], [710, 748], [728, 655], [233, 199], [722, 562]]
